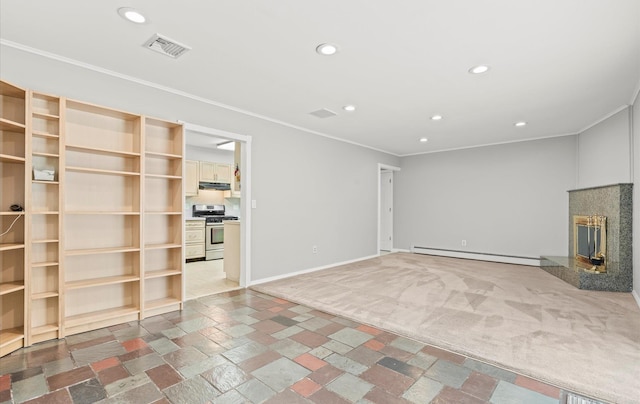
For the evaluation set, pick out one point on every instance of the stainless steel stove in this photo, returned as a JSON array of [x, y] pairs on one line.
[[214, 237]]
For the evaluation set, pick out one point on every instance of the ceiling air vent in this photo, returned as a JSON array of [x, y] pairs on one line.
[[323, 113], [166, 46]]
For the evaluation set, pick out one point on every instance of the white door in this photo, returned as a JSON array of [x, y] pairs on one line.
[[386, 210]]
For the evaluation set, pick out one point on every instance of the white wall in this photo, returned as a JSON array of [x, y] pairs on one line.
[[604, 156], [507, 199], [636, 198], [310, 190]]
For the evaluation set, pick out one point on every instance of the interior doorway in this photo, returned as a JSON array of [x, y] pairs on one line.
[[385, 207], [208, 277]]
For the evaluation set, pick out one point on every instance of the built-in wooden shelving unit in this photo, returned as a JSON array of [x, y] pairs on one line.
[[100, 242], [14, 162]]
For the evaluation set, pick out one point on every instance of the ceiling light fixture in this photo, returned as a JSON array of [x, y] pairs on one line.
[[424, 140], [227, 145], [436, 117], [479, 69], [520, 124], [131, 14], [327, 49], [349, 108]]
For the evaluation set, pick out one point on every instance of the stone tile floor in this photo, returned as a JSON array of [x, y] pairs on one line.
[[247, 347]]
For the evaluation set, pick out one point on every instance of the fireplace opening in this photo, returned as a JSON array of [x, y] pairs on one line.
[[590, 241]]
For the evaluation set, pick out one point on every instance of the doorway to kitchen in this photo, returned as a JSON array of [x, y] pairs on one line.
[[217, 189], [385, 208]]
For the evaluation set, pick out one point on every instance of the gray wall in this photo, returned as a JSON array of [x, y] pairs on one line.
[[604, 156], [636, 197], [309, 190], [508, 199]]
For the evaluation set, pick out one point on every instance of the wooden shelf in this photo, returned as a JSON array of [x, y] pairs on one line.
[[7, 247], [44, 329], [45, 115], [7, 158], [39, 154], [10, 335], [106, 152], [39, 133], [167, 177], [168, 156], [7, 124], [103, 212], [162, 274], [99, 171], [110, 250], [158, 303], [43, 295], [44, 264], [100, 315], [53, 212], [162, 213], [45, 182], [45, 241], [12, 213], [161, 246], [111, 280], [10, 287]]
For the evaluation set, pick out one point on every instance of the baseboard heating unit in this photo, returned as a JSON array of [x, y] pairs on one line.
[[505, 259]]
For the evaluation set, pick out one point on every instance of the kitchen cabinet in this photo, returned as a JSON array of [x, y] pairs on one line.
[[232, 249], [191, 177], [194, 236], [215, 172]]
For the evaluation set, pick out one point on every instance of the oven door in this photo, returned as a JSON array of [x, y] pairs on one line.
[[214, 241]]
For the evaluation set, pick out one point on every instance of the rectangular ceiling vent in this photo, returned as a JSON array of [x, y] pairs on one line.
[[166, 46], [323, 113]]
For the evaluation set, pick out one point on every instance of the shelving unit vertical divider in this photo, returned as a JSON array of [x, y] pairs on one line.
[[27, 217], [61, 215], [143, 216]]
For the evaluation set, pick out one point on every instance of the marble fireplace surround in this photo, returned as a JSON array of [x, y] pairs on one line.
[[614, 202]]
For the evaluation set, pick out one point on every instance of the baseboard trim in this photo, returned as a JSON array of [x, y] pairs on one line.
[[400, 250], [635, 296], [309, 270], [505, 259]]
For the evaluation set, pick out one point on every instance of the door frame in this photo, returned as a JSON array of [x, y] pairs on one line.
[[245, 194], [382, 167]]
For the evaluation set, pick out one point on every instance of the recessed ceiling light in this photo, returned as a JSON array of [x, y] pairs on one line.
[[424, 140], [327, 49], [132, 15], [520, 124], [479, 69], [349, 108], [436, 117]]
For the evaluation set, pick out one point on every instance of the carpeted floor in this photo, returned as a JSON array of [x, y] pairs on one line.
[[517, 317]]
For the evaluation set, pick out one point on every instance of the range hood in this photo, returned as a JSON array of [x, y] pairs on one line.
[[219, 186]]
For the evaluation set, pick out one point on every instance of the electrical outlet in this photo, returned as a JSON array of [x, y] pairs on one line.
[[464, 243], [314, 249]]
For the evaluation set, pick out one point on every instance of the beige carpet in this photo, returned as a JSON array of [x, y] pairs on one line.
[[517, 317]]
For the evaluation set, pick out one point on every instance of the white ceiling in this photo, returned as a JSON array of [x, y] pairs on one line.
[[560, 65]]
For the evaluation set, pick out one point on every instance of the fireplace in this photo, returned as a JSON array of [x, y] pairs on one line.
[[590, 241], [599, 228]]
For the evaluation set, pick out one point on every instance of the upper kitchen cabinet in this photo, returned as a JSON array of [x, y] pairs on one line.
[[191, 178], [215, 172]]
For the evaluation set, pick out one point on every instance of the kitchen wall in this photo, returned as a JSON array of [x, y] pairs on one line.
[[211, 197], [309, 190], [208, 154], [508, 199], [604, 152]]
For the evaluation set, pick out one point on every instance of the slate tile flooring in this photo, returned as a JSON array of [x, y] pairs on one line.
[[247, 347]]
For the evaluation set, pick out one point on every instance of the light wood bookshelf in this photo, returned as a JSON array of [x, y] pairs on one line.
[[100, 243], [14, 165]]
